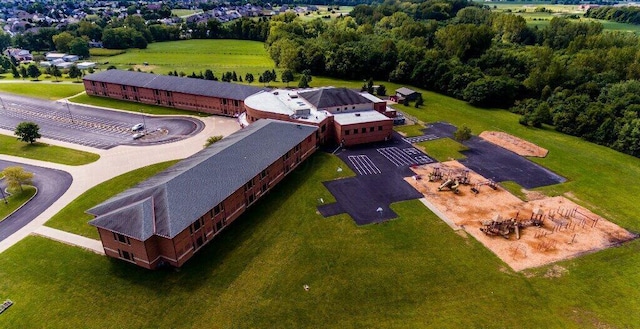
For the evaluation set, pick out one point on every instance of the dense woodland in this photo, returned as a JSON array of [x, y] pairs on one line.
[[630, 15]]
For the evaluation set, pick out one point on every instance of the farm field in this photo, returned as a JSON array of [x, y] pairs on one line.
[[414, 271]]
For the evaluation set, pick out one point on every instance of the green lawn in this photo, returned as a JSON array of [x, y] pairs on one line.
[[104, 52], [410, 130], [184, 12], [412, 272], [443, 149], [515, 189], [73, 218], [10, 145], [15, 200], [130, 106], [42, 89]]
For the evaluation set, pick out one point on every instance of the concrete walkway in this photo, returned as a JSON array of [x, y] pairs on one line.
[[112, 163], [439, 213], [70, 238]]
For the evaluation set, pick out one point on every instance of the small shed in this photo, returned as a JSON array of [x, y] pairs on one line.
[[406, 93]]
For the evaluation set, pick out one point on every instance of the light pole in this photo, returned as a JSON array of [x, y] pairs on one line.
[[3, 195], [69, 109], [2, 101]]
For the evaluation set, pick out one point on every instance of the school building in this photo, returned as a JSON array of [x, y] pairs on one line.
[[166, 219]]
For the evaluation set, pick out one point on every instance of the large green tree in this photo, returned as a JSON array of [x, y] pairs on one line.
[[27, 132]]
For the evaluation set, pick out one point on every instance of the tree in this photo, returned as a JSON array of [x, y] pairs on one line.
[[14, 71], [462, 134], [16, 177], [33, 71], [23, 72], [419, 101], [80, 47], [287, 76], [208, 75], [303, 83], [74, 72], [27, 132], [62, 41], [249, 78], [382, 90], [55, 71]]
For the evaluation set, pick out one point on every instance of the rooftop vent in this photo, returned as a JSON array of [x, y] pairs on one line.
[[357, 114]]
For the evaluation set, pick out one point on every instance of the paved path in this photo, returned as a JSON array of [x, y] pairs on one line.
[[113, 162], [439, 213], [70, 238]]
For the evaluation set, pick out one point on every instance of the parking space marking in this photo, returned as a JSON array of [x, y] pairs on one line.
[[411, 151], [400, 158], [418, 139], [423, 159], [364, 165]]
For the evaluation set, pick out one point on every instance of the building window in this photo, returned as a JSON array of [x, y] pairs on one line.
[[263, 174], [248, 185], [355, 131], [324, 127], [235, 102], [124, 87], [364, 130], [217, 209], [224, 102], [156, 92], [168, 94], [353, 108], [372, 129], [346, 132], [125, 255], [135, 89], [93, 83], [252, 198], [263, 188], [379, 128], [196, 225], [297, 148], [121, 238]]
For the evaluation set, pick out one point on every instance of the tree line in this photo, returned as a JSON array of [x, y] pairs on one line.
[[630, 15], [563, 74]]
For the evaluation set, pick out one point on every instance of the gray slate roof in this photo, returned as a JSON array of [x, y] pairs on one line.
[[175, 84], [405, 91], [170, 201], [332, 97]]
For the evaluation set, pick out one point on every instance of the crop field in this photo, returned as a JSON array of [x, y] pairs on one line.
[[194, 56]]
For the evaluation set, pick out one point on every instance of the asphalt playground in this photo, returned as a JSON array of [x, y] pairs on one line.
[[98, 128], [381, 168], [51, 184]]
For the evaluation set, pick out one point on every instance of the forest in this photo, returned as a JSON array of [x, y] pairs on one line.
[[572, 75], [630, 15]]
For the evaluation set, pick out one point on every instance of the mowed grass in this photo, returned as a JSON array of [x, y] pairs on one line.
[[515, 189], [131, 106], [10, 145], [42, 89], [410, 130], [410, 272], [15, 200], [190, 56], [443, 149], [73, 218]]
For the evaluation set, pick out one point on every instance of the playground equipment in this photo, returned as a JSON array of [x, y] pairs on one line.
[[504, 228], [435, 175], [451, 184], [490, 182]]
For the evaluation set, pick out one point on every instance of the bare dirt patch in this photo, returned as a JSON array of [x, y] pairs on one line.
[[568, 230], [514, 144], [145, 68]]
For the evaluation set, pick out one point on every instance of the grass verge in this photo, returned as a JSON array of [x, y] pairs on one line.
[[73, 218], [45, 152], [42, 89], [443, 149], [15, 201], [413, 271], [515, 189], [131, 106], [410, 130]]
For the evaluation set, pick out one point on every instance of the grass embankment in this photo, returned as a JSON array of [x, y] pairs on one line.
[[410, 130], [42, 89], [73, 218], [131, 106], [410, 272], [443, 149], [45, 152], [515, 189], [15, 200]]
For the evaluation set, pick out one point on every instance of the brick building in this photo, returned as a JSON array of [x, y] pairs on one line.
[[221, 98], [343, 115], [167, 218]]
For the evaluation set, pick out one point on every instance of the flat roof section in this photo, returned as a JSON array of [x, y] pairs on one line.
[[286, 102], [344, 119]]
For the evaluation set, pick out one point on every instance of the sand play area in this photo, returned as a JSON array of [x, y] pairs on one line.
[[514, 144], [568, 230]]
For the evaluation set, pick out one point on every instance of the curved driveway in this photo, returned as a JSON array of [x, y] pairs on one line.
[[51, 184], [90, 126]]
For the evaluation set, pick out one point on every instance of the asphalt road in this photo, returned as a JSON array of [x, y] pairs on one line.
[[51, 184], [92, 127]]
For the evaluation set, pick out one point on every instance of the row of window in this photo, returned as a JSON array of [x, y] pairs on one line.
[[126, 255], [362, 130]]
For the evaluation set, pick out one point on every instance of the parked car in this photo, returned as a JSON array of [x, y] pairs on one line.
[[137, 127], [138, 135]]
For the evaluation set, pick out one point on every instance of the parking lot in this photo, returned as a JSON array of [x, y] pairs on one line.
[[89, 126]]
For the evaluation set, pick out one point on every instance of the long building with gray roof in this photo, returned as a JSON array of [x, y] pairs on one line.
[[168, 217]]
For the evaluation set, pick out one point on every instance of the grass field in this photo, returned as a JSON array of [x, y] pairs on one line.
[[42, 89], [15, 200], [10, 145], [410, 272], [184, 12], [104, 52], [514, 188], [443, 149], [130, 106], [73, 218]]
